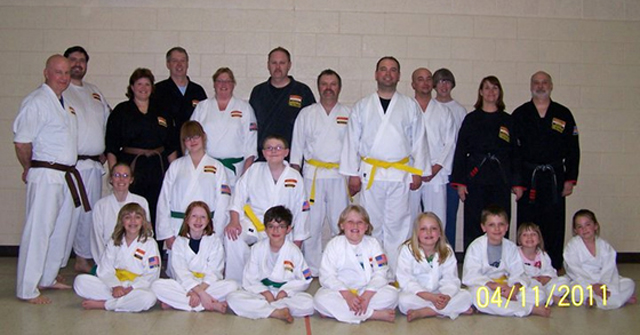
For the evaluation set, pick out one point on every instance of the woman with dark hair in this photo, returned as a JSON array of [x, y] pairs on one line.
[[486, 161], [140, 134]]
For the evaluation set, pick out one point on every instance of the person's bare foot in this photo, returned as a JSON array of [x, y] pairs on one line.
[[469, 311], [220, 307], [82, 265], [282, 314], [420, 313], [61, 279], [541, 311], [56, 286], [93, 304], [39, 300], [165, 306], [388, 315], [633, 300]]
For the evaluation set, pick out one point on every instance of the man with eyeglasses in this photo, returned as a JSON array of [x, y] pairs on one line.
[[178, 94], [92, 112]]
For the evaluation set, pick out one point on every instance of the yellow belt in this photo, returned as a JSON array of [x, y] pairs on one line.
[[252, 216], [399, 165], [319, 165], [125, 275], [198, 275], [501, 280], [354, 291]]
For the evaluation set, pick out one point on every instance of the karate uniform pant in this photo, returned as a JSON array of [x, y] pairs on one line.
[[255, 306], [479, 197], [429, 198], [331, 303], [482, 301], [47, 223], [173, 294], [330, 199], [551, 288], [82, 222], [237, 252], [388, 206], [92, 288], [459, 303], [617, 298], [453, 202]]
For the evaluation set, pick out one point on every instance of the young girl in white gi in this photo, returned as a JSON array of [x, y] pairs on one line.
[[262, 186], [275, 276], [127, 268], [354, 272], [494, 272], [428, 273], [537, 263], [591, 262], [197, 263]]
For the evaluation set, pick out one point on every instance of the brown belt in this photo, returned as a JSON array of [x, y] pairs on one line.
[[144, 152], [69, 170], [93, 158]]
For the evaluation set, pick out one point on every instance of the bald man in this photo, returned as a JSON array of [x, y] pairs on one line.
[[45, 138]]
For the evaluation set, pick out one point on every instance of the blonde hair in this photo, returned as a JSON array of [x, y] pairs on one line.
[[184, 230], [588, 214], [146, 230], [534, 228], [359, 210], [442, 246]]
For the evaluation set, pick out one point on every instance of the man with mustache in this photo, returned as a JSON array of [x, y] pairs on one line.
[[278, 100], [318, 134], [548, 140], [92, 112]]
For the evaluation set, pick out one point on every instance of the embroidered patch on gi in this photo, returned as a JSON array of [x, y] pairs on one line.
[[504, 134], [162, 121], [306, 273], [290, 182], [558, 125], [575, 130], [72, 111], [295, 101], [236, 114], [381, 260], [210, 169], [225, 189], [154, 262], [342, 119], [194, 103], [253, 126], [305, 206], [288, 266], [96, 96], [139, 254]]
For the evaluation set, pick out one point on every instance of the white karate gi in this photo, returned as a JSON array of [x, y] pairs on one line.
[[289, 268], [139, 258], [183, 184], [52, 132], [256, 188], [190, 270], [92, 111], [392, 136], [476, 272], [584, 269], [441, 137], [546, 269], [105, 217], [318, 136], [414, 277], [232, 133], [342, 270]]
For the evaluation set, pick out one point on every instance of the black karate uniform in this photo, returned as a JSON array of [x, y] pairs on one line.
[[277, 108], [550, 156], [486, 161], [178, 106]]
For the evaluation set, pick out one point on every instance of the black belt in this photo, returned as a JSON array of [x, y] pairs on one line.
[[486, 158], [69, 170], [542, 168]]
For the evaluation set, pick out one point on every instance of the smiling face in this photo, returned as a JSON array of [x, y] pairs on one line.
[[329, 87], [224, 86], [489, 93], [121, 178], [428, 234], [277, 232], [132, 223], [496, 227], [529, 239], [78, 62], [197, 220], [586, 228], [57, 74], [388, 74], [541, 85], [142, 89], [178, 64], [274, 151], [354, 227], [194, 144], [422, 81]]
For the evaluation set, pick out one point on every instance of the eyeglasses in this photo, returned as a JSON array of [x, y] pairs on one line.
[[444, 81], [276, 148], [120, 175], [276, 226], [194, 138]]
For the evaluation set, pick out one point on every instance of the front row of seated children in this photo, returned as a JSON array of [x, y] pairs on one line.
[[354, 275]]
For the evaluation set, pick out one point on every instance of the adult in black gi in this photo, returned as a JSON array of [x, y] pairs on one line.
[[548, 140], [278, 100], [486, 162]]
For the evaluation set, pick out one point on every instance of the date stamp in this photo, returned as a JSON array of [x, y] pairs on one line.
[[568, 296]]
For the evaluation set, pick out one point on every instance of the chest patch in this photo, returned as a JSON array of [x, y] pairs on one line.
[[342, 119], [236, 114], [295, 101], [558, 125], [504, 134], [162, 121]]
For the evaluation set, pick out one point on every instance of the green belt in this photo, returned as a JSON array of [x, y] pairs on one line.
[[268, 282], [180, 215], [228, 162]]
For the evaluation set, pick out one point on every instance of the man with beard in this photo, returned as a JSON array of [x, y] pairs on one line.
[[548, 140], [318, 134], [278, 100], [92, 112]]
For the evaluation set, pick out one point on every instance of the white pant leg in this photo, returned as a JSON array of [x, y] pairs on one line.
[[237, 252], [397, 226], [482, 301], [385, 298], [331, 304], [249, 305], [415, 206], [173, 294], [434, 199], [459, 303], [616, 299], [300, 304], [373, 201], [92, 288], [81, 233]]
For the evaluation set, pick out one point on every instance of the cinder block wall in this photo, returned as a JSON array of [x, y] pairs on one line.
[[590, 47]]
